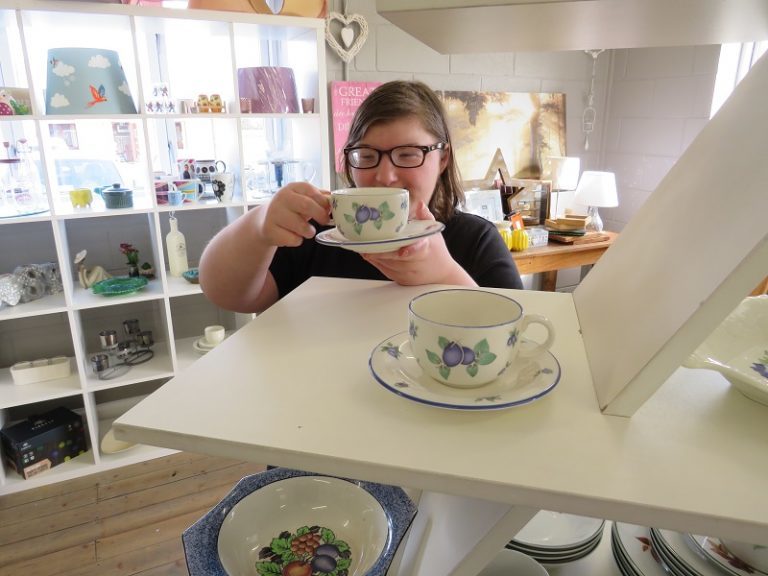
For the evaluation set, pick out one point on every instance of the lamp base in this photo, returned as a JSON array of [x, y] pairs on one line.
[[595, 223]]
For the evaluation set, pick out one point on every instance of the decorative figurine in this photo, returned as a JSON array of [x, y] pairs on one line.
[[89, 277]]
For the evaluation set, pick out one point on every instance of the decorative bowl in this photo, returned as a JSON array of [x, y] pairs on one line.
[[119, 285], [297, 523], [738, 349], [192, 276]]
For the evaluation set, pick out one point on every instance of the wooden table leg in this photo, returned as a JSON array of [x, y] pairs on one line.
[[549, 280]]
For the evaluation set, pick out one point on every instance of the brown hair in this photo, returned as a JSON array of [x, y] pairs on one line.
[[400, 99]]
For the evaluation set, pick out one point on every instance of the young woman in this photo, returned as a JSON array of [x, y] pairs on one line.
[[398, 138]]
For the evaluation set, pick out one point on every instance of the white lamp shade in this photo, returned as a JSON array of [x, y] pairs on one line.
[[597, 189], [563, 171]]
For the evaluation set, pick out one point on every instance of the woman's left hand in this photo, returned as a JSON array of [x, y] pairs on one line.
[[426, 261]]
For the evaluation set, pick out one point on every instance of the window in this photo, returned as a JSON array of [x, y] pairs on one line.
[[735, 61]]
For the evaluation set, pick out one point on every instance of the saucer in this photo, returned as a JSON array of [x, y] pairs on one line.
[[202, 346], [414, 230], [111, 445], [394, 366]]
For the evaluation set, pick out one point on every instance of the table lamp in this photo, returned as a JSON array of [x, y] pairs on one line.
[[563, 171], [271, 89], [86, 81], [596, 190]]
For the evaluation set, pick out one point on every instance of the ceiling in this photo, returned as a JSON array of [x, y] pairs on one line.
[[475, 26]]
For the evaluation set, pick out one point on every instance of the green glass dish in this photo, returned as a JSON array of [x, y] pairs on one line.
[[119, 285]]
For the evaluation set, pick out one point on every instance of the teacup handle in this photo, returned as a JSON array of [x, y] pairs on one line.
[[223, 164], [540, 347]]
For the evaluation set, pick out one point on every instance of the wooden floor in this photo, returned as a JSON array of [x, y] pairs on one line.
[[121, 522]]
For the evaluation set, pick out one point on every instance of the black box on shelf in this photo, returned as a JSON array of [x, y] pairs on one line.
[[43, 441]]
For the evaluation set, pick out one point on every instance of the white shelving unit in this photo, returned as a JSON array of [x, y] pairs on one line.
[[191, 52]]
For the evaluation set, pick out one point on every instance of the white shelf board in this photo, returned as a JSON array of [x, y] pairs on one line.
[[180, 287], [298, 398], [19, 394], [82, 298], [74, 468], [50, 304], [157, 368]]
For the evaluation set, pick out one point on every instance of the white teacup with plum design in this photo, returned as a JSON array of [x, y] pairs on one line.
[[370, 214], [466, 338]]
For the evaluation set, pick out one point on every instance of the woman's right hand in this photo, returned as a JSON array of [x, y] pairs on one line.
[[285, 220]]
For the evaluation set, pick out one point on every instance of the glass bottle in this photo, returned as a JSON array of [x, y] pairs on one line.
[[177, 249]]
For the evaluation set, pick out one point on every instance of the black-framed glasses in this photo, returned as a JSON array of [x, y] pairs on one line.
[[364, 157]]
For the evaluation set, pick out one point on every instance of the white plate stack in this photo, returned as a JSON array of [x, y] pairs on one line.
[[642, 551], [557, 538]]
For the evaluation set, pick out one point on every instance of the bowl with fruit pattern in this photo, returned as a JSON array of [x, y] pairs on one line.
[[285, 522], [738, 349]]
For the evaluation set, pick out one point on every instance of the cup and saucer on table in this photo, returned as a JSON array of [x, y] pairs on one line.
[[212, 337], [371, 220], [468, 349]]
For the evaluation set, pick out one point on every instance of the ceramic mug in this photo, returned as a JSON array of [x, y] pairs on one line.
[[466, 338], [370, 214], [190, 189], [204, 169], [223, 185], [163, 190], [185, 168]]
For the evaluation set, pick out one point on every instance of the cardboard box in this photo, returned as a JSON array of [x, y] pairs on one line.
[[43, 441]]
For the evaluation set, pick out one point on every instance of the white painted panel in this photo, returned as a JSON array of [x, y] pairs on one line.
[[696, 247]]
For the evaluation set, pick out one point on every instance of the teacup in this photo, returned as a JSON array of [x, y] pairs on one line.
[[370, 214], [162, 190], [466, 338], [190, 189], [214, 335], [223, 185]]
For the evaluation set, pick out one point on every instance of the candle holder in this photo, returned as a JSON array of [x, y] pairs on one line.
[[108, 339]]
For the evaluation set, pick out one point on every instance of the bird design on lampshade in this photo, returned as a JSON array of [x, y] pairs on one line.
[[97, 94], [87, 81]]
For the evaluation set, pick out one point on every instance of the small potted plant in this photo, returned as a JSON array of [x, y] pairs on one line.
[[132, 255]]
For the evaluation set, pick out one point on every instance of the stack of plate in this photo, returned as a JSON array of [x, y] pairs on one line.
[[509, 562], [557, 538], [641, 551], [632, 550], [689, 555]]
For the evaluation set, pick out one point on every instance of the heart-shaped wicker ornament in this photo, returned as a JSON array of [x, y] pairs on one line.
[[352, 44]]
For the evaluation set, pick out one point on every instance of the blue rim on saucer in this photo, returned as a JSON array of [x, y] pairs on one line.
[[201, 539], [413, 231], [394, 367]]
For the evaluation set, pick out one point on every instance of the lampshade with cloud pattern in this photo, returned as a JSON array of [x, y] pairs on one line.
[[86, 81]]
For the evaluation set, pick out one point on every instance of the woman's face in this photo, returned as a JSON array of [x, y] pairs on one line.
[[421, 181]]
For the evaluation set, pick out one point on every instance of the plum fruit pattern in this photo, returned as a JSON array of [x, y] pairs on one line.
[[310, 551], [454, 354], [761, 366], [364, 214]]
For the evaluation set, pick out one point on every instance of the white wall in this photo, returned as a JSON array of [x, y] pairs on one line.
[[650, 103]]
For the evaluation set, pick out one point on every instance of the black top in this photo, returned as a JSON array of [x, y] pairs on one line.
[[474, 243]]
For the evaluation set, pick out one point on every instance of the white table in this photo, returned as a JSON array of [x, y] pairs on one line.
[[293, 388]]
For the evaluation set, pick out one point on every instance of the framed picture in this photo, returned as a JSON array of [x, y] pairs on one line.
[[529, 197], [507, 133]]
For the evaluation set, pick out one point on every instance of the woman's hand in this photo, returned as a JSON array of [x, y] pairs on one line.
[[426, 261], [284, 221]]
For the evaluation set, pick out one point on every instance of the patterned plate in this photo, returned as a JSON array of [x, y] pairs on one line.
[[394, 367]]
